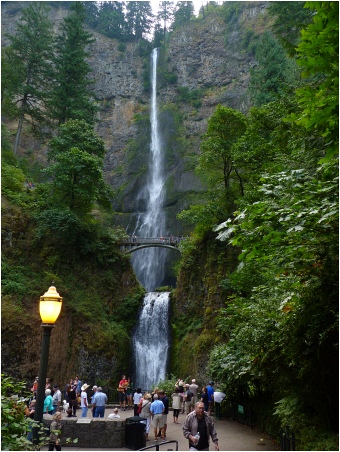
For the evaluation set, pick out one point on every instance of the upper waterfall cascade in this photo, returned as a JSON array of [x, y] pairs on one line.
[[149, 264], [151, 338]]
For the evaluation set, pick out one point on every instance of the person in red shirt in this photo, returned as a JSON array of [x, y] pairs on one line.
[[123, 384]]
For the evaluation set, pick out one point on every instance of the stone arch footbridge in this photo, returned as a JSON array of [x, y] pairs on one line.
[[132, 244]]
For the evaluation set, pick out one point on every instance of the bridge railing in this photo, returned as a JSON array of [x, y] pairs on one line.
[[134, 240]]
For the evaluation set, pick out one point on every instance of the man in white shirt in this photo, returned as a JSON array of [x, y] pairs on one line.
[[83, 400]]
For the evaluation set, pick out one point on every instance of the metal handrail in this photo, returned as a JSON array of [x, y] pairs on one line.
[[160, 444]]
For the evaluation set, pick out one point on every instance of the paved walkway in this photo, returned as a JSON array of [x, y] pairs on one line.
[[232, 435]]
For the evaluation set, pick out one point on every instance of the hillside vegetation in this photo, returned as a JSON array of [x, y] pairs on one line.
[[256, 303]]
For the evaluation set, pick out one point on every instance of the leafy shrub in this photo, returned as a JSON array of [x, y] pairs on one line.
[[14, 424]]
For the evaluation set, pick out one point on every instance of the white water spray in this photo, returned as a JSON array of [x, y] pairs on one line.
[[150, 341], [149, 264], [151, 338]]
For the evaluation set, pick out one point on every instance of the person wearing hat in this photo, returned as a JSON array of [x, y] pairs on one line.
[[83, 400], [56, 399]]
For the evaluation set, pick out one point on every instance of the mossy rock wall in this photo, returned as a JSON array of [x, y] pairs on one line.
[[195, 302]]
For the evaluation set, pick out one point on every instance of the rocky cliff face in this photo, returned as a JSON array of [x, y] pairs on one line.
[[206, 56]]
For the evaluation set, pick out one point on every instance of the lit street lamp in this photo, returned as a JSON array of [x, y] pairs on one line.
[[50, 306]]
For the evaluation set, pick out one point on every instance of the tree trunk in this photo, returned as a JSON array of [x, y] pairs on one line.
[[18, 135]]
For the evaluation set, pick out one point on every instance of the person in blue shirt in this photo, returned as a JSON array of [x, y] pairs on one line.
[[210, 391], [157, 409], [99, 399], [48, 402]]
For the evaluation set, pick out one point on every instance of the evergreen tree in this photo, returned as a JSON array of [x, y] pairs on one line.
[[111, 20], [290, 18], [274, 71], [139, 19], [71, 97], [183, 13], [166, 15], [26, 71], [91, 11]]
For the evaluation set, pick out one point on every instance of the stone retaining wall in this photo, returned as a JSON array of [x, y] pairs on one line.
[[93, 433]]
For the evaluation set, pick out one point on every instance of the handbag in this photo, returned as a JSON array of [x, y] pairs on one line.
[[141, 407]]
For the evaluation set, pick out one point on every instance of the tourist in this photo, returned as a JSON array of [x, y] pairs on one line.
[[136, 399], [176, 405], [72, 399], [48, 384], [56, 398], [34, 387], [204, 398], [123, 384], [155, 391], [180, 386], [197, 428], [83, 400], [114, 415], [55, 430], [129, 394], [29, 412], [210, 391], [145, 413], [99, 401], [94, 389], [194, 389], [164, 398], [156, 410], [48, 402], [188, 395], [78, 387]]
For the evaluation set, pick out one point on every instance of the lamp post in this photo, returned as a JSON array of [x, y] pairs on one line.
[[50, 306]]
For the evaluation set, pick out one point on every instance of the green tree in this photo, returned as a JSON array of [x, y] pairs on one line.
[[111, 20], [290, 19], [76, 180], [165, 16], [71, 97], [26, 73], [318, 56], [139, 18], [273, 74], [183, 14], [225, 127]]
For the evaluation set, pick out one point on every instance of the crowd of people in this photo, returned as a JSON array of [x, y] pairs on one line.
[[152, 407], [187, 399]]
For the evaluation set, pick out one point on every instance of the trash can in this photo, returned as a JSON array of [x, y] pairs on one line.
[[135, 432]]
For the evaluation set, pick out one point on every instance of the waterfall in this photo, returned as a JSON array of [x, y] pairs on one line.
[[149, 264], [150, 340]]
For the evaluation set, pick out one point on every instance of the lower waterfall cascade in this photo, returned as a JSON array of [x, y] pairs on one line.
[[150, 341]]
